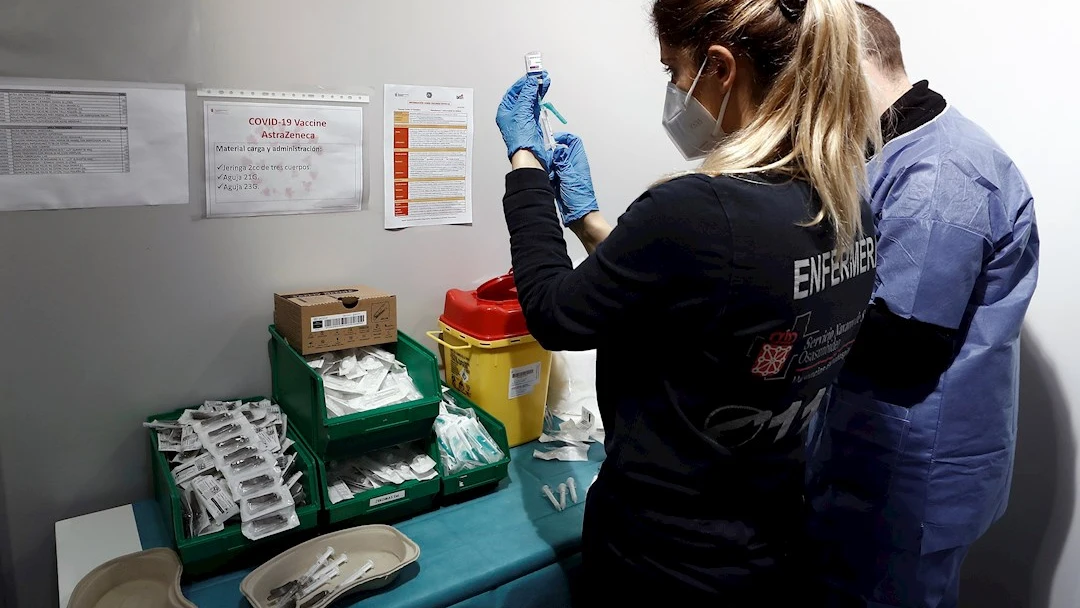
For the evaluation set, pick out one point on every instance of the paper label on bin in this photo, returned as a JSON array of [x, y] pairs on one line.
[[382, 500], [523, 380], [329, 322]]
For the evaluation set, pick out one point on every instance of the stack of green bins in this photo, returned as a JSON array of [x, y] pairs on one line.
[[414, 497], [299, 391], [221, 551]]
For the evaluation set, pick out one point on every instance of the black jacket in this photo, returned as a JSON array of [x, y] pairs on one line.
[[720, 319]]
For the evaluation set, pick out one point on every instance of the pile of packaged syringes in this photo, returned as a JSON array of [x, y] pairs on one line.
[[231, 460]]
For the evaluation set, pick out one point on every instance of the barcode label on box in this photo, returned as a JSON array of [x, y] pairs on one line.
[[523, 380], [382, 500], [329, 322]]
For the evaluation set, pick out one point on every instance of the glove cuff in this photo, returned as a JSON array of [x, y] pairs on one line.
[[577, 215]]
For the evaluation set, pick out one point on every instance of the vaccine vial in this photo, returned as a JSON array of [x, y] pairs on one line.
[[534, 64]]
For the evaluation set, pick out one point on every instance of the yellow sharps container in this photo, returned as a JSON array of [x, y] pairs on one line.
[[491, 358]]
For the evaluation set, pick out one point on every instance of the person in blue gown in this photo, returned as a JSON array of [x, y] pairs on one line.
[[912, 458]]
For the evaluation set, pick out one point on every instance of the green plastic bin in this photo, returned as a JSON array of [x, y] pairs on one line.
[[383, 505], [299, 391], [484, 476], [222, 551]]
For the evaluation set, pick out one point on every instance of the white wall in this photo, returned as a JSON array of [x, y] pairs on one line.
[[148, 309], [1011, 67]]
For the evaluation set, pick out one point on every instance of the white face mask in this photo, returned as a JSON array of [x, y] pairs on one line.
[[689, 124]]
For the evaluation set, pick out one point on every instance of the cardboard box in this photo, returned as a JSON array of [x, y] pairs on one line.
[[336, 319]]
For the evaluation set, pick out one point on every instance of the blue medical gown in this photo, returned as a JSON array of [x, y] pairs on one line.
[[924, 469]]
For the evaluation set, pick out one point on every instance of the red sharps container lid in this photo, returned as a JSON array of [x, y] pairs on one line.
[[489, 313]]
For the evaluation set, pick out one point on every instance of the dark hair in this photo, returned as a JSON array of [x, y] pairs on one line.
[[881, 40], [767, 32]]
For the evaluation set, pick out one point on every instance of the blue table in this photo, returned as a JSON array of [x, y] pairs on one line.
[[507, 548]]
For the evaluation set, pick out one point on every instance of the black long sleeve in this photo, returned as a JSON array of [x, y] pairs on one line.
[[639, 269], [894, 352]]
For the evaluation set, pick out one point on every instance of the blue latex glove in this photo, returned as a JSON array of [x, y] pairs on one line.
[[519, 117], [573, 179]]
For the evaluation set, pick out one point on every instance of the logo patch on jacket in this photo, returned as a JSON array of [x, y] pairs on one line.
[[773, 357]]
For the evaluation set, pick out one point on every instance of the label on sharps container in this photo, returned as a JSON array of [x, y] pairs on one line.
[[329, 322], [523, 380], [382, 500]]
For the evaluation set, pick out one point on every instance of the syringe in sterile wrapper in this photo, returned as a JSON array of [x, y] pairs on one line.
[[545, 128], [534, 64]]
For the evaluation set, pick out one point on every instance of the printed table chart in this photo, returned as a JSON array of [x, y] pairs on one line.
[[63, 132]]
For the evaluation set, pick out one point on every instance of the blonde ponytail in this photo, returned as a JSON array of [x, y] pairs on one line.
[[816, 117]]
